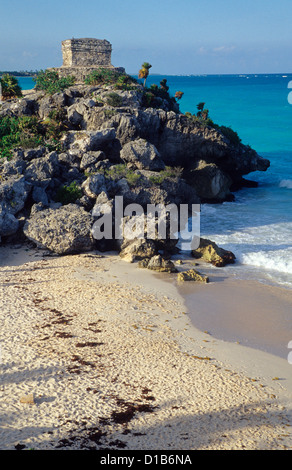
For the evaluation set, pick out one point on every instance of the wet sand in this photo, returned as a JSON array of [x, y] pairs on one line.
[[251, 313], [99, 354]]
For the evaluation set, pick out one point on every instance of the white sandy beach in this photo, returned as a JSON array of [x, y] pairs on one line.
[[107, 357]]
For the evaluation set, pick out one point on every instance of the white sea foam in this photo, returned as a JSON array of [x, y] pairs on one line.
[[276, 260], [286, 184], [264, 250]]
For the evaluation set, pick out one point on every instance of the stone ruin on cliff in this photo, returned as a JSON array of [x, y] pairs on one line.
[[82, 56]]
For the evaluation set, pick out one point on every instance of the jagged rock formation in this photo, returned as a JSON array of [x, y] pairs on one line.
[[146, 155], [159, 264], [213, 254], [63, 230], [192, 275]]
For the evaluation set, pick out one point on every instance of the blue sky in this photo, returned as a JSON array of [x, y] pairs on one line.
[[176, 37]]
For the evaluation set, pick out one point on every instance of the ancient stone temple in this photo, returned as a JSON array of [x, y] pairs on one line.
[[81, 56]]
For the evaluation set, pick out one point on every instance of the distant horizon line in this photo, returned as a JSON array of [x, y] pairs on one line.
[[28, 74]]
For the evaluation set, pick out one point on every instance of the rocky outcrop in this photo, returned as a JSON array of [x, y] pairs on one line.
[[212, 253], [8, 223], [94, 185], [192, 275], [142, 155], [210, 183], [13, 193], [64, 230], [108, 149], [159, 264], [85, 141], [137, 249]]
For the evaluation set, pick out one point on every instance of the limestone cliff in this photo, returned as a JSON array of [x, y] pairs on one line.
[[112, 144]]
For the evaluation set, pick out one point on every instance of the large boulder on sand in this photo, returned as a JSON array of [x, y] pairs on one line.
[[159, 264], [138, 248], [64, 230], [213, 254]]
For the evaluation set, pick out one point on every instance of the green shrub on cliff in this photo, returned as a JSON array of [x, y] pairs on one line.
[[230, 134], [104, 76], [68, 193], [168, 173], [153, 96], [101, 76], [27, 132], [8, 135], [126, 82], [24, 131], [113, 99], [203, 118], [50, 82], [121, 170], [10, 87]]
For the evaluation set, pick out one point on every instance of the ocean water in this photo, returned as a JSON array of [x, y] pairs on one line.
[[26, 83], [257, 226]]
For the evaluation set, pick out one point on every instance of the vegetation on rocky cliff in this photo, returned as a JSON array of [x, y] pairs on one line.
[[10, 86], [49, 81], [67, 154], [29, 132], [104, 76], [202, 117]]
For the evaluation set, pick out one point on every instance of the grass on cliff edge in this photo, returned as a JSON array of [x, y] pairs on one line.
[[203, 118], [28, 132], [10, 87], [116, 172], [103, 76], [49, 81]]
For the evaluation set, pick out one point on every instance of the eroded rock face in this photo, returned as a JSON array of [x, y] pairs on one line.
[[98, 137], [8, 223], [178, 139], [86, 141], [13, 194], [243, 162], [142, 155], [210, 183], [94, 185], [41, 170], [213, 254], [192, 275], [65, 230], [139, 248], [159, 264]]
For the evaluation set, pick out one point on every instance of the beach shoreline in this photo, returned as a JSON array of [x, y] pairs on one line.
[[248, 312], [110, 357]]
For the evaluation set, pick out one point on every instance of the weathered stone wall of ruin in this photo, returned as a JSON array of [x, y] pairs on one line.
[[82, 56], [86, 53]]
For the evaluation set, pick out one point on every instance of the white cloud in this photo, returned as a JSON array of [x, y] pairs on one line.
[[215, 50], [29, 55], [224, 49]]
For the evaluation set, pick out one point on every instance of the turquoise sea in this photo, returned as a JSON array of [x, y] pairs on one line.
[[257, 227]]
